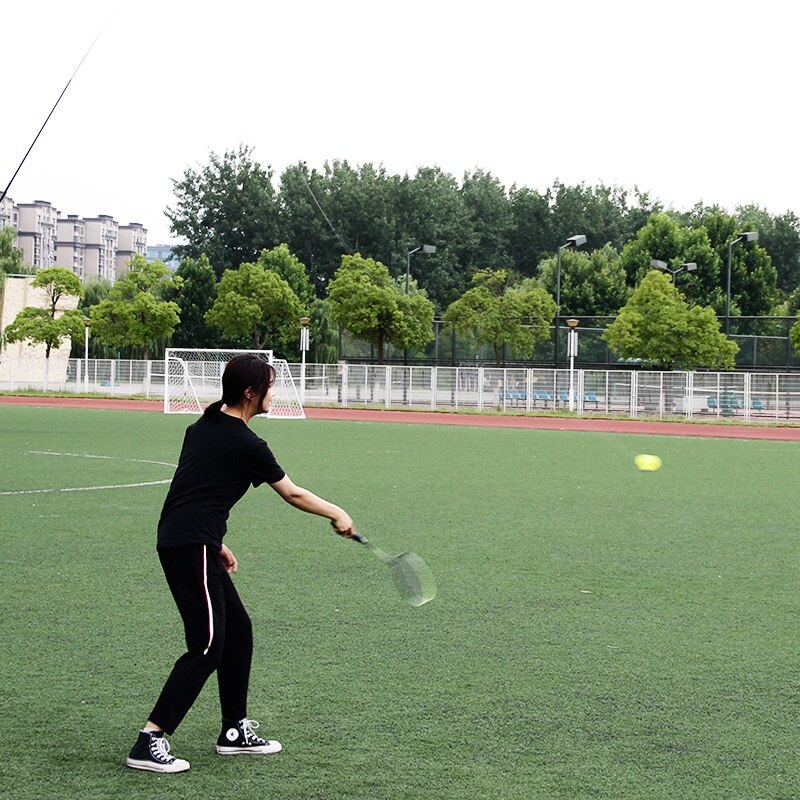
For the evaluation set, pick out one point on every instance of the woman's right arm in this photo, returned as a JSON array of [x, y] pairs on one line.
[[307, 501]]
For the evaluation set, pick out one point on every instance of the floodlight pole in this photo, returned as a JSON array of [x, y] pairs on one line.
[[573, 241], [428, 249], [747, 236]]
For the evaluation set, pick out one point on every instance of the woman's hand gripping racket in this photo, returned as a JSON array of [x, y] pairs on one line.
[[412, 576]]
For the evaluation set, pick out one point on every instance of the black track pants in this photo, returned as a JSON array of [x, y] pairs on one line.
[[219, 635]]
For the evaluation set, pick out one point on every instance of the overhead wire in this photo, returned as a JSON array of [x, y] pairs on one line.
[[55, 105], [330, 224]]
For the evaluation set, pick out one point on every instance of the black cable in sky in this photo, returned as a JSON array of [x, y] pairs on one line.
[[330, 224], [63, 92]]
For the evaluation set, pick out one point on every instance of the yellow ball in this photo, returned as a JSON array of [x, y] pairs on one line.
[[647, 463]]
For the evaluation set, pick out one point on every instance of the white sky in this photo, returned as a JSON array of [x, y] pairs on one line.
[[691, 101]]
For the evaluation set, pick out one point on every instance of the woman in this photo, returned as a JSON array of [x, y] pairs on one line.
[[221, 457]]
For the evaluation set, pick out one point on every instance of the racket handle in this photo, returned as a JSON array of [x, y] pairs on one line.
[[357, 536]]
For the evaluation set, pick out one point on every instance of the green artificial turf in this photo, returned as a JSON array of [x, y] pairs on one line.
[[599, 632]]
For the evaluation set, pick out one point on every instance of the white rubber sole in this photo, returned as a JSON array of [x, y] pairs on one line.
[[262, 750], [178, 765]]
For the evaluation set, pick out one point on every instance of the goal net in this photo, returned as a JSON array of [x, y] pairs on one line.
[[193, 380]]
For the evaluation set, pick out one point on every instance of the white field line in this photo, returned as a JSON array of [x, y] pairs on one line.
[[91, 488], [84, 488], [109, 458]]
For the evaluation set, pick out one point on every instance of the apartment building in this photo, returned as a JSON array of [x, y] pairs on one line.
[[36, 233], [132, 241], [71, 244], [100, 253], [92, 247], [163, 252], [8, 214]]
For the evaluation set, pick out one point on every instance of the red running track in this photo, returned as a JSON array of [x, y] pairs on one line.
[[729, 430]]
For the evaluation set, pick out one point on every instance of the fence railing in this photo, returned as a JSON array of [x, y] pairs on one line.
[[764, 345], [748, 396], [633, 393]]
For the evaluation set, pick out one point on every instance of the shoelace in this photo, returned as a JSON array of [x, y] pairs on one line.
[[159, 749], [249, 732]]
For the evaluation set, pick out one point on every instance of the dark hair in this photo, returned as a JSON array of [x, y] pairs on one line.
[[244, 372]]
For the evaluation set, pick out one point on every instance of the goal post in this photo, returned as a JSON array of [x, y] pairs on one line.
[[193, 380]]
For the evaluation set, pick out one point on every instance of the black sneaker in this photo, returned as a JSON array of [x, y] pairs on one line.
[[239, 737], [151, 753]]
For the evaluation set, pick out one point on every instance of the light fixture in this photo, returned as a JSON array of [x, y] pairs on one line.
[[689, 266], [427, 249]]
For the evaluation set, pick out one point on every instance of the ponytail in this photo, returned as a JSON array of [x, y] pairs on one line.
[[213, 410]]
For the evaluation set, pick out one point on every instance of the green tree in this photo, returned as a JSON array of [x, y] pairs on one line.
[[258, 304], [194, 295], [227, 209], [431, 210], [361, 209], [282, 262], [792, 303], [530, 235], [604, 214], [95, 290], [10, 256], [780, 237], [135, 314], [658, 326], [665, 239], [142, 322], [500, 315], [372, 306], [153, 277], [592, 284], [413, 327], [52, 324], [754, 280], [490, 212], [327, 214], [303, 225], [323, 333], [794, 335]]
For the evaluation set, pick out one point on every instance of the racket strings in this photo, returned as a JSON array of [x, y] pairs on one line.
[[413, 578]]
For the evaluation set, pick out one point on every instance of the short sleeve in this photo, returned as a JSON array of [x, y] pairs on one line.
[[264, 468]]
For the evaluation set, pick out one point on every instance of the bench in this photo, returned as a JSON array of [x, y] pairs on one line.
[[542, 396]]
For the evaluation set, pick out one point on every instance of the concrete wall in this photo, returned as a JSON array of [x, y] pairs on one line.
[[22, 364]]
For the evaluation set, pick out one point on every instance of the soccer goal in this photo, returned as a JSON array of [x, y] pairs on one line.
[[193, 380]]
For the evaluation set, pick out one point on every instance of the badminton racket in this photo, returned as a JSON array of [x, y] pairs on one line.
[[412, 576]]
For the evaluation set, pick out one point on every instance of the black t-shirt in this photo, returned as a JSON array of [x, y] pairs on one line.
[[220, 459]]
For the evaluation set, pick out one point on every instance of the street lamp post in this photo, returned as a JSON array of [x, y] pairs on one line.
[[573, 241], [303, 350], [664, 267], [428, 249], [572, 352], [747, 236]]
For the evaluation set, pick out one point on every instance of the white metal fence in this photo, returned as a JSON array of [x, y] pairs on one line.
[[633, 393], [749, 396]]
